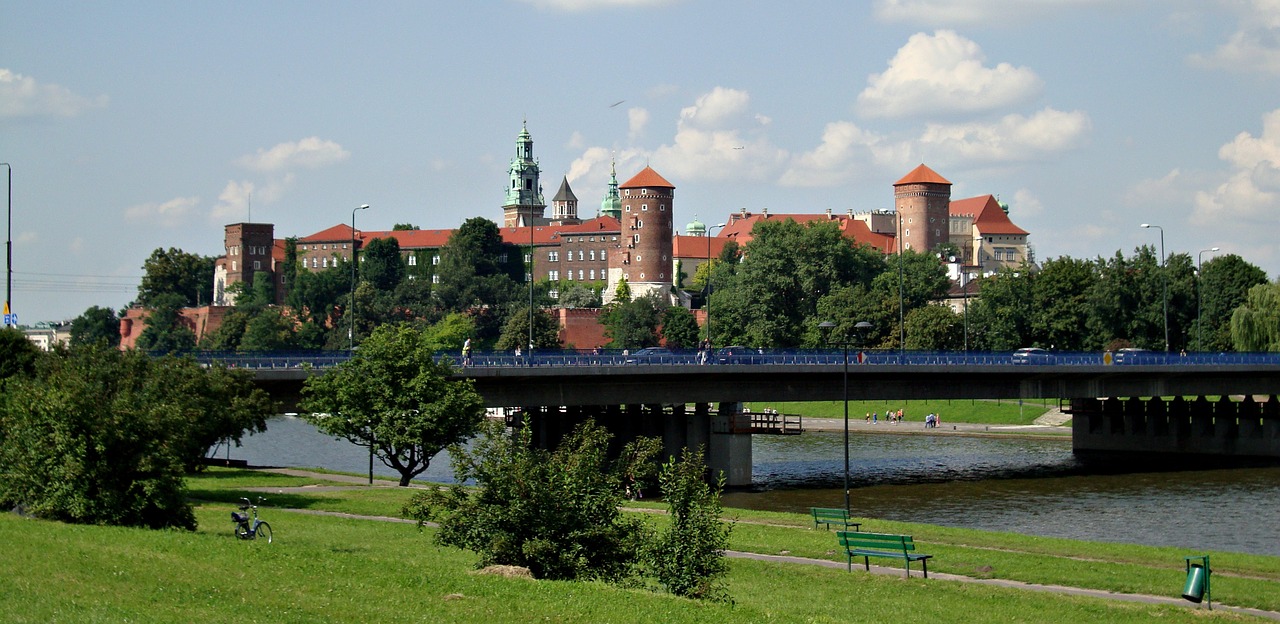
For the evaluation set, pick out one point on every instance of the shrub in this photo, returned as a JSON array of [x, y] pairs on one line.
[[688, 558], [556, 513]]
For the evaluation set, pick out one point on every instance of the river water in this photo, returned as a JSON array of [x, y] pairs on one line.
[[1022, 485]]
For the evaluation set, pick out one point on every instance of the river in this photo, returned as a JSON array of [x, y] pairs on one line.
[[1022, 485]]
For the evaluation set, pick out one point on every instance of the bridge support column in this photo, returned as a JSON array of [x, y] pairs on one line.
[[730, 448], [1133, 428]]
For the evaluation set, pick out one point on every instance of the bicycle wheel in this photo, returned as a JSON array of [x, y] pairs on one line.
[[264, 531], [242, 531]]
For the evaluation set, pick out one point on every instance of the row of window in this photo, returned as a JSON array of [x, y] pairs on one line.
[[554, 256], [254, 250], [324, 247], [588, 274]]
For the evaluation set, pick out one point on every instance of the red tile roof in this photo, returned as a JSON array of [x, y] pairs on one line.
[[922, 175], [696, 246], [551, 234], [340, 232], [987, 214], [410, 239], [739, 228], [647, 177]]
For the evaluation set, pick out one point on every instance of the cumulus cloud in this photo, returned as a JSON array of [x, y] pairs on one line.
[[944, 73], [237, 197], [637, 121], [312, 152], [985, 12], [1012, 138], [171, 213], [844, 152], [718, 138], [22, 96], [1251, 191], [1255, 47]]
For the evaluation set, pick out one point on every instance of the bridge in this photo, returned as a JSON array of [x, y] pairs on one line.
[[1116, 403]]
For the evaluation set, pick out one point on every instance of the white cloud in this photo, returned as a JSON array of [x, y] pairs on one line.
[[1250, 195], [310, 152], [238, 198], [1012, 138], [845, 151], [1024, 204], [1255, 47], [22, 96], [984, 12], [637, 121], [166, 214], [944, 73], [719, 139]]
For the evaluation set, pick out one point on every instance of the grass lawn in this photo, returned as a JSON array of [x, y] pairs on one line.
[[326, 568], [976, 411]]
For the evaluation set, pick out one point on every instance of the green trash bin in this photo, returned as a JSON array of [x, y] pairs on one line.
[[1197, 587]]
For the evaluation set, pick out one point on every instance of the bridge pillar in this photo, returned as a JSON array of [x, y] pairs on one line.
[[675, 432], [1133, 428], [730, 448]]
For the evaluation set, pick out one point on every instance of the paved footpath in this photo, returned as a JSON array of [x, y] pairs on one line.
[[347, 482]]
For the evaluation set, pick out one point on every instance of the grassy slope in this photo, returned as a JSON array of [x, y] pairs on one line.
[[336, 569], [952, 411]]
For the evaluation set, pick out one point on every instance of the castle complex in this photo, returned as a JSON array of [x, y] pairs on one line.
[[632, 236]]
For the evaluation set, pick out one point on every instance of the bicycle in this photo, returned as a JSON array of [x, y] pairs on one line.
[[250, 528]]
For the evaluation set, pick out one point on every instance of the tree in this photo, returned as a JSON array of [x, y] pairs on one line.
[[17, 354], [1127, 300], [632, 324], [166, 332], [934, 328], [579, 295], [1255, 326], [271, 329], [1060, 307], [769, 297], [679, 328], [1224, 286], [481, 274], [688, 558], [556, 513], [401, 227], [515, 334], [394, 397], [96, 325], [103, 436], [175, 272], [381, 264]]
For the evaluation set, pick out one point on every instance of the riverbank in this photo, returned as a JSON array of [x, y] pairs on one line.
[[341, 554], [907, 427]]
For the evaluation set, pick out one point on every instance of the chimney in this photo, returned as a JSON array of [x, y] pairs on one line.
[[765, 212]]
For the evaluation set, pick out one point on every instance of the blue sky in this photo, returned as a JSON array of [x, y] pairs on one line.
[[132, 126]]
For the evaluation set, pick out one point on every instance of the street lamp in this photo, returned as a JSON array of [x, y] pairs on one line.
[[351, 327], [1165, 284], [8, 249], [710, 343], [1199, 297], [826, 327], [902, 314]]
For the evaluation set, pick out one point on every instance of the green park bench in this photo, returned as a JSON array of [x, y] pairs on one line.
[[867, 545], [828, 516]]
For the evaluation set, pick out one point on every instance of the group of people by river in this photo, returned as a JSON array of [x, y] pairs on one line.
[[897, 416]]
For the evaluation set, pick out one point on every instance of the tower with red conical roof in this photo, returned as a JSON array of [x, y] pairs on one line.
[[643, 257], [922, 199]]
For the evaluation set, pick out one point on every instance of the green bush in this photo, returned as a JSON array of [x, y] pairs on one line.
[[688, 558], [556, 513], [100, 436]]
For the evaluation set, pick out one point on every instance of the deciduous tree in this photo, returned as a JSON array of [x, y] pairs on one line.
[[392, 395]]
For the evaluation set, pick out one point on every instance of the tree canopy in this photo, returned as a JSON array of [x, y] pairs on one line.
[[392, 395], [176, 272]]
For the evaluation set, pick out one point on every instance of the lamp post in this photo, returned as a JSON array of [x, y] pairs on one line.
[[902, 313], [710, 343], [529, 356], [826, 327], [351, 327], [1164, 285], [8, 249], [1199, 297]]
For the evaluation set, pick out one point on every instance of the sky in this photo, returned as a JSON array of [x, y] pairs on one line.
[[140, 125]]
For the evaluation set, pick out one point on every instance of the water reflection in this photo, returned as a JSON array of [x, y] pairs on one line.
[[1028, 486]]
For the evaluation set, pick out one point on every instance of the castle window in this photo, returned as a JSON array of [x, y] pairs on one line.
[[593, 255], [325, 262], [644, 207], [233, 265], [257, 265], [662, 207], [593, 273], [435, 260], [553, 256], [553, 293], [553, 275], [579, 274], [413, 260], [435, 279], [639, 224], [907, 232]]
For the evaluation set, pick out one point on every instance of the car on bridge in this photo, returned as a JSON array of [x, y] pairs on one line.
[[1032, 355], [1134, 356], [652, 355], [737, 354]]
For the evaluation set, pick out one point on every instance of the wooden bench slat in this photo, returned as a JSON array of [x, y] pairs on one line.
[[828, 516]]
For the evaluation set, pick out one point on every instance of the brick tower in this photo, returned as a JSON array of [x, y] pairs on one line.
[[922, 199], [248, 247], [644, 254]]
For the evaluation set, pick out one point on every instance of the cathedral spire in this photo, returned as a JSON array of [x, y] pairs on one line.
[[524, 202], [612, 204]]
